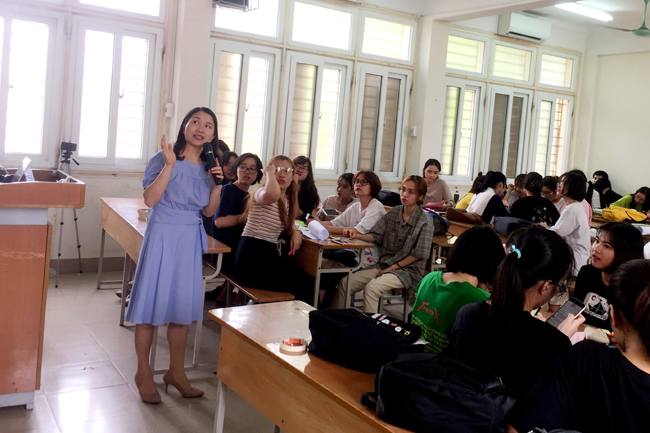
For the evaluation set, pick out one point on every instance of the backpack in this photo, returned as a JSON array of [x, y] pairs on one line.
[[617, 213], [389, 198], [433, 393], [440, 224], [359, 341], [505, 225]]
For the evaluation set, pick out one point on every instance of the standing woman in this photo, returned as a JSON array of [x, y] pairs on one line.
[[437, 189], [167, 287], [308, 199]]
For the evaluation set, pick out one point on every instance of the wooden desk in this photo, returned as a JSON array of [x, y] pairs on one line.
[[310, 259], [297, 393]]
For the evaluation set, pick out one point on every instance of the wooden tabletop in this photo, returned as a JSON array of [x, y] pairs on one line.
[[444, 240], [328, 244]]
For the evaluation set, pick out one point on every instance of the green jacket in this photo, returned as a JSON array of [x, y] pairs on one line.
[[627, 201]]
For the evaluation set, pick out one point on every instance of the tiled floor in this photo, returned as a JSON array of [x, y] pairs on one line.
[[88, 368]]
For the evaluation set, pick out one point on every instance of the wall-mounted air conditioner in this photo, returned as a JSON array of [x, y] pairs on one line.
[[242, 5], [524, 27]]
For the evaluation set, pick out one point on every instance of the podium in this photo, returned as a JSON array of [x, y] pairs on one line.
[[25, 238]]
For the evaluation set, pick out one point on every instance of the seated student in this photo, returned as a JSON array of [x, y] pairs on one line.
[[464, 202], [637, 201], [471, 265], [515, 191], [259, 261], [593, 388], [307, 193], [229, 224], [586, 202], [220, 149], [603, 195], [549, 191], [534, 207], [573, 225], [437, 189], [502, 336], [616, 243], [404, 235], [340, 201], [226, 162], [487, 202]]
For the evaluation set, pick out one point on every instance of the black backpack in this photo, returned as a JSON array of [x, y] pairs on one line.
[[389, 198], [434, 393], [361, 342], [505, 225]]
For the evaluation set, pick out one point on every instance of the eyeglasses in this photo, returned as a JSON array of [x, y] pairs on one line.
[[284, 169], [251, 170], [361, 182], [302, 168], [561, 287]]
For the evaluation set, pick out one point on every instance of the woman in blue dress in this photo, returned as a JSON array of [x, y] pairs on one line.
[[167, 287]]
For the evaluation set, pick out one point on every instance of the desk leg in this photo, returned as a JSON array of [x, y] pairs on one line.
[[317, 280], [100, 268], [220, 415], [125, 284]]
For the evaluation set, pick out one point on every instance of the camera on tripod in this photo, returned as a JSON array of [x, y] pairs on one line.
[[66, 152]]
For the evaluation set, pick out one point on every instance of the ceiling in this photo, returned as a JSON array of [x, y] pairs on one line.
[[628, 14]]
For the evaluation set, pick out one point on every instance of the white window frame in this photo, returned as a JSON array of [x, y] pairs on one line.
[[282, 7], [321, 62], [486, 55], [402, 122], [550, 97], [574, 70], [353, 27], [533, 63], [247, 50], [152, 104], [475, 147], [522, 154], [157, 19], [412, 42], [53, 86]]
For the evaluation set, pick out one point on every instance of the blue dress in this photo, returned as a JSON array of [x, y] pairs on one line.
[[168, 279]]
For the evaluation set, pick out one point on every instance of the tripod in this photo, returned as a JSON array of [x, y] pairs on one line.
[[64, 166]]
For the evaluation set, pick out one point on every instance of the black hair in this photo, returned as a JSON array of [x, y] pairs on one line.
[[602, 184], [347, 177], [308, 185], [542, 255], [258, 165], [221, 146], [590, 186], [645, 191], [520, 179], [226, 157], [490, 180], [513, 238], [574, 186], [629, 294], [550, 182], [626, 240], [180, 143], [431, 162], [602, 174], [477, 182], [533, 183], [372, 179], [478, 252]]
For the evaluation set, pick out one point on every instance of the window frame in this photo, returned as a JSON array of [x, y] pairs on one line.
[[362, 32], [487, 51], [354, 19], [52, 111], [155, 36], [533, 63], [551, 97], [475, 145], [406, 75], [340, 142], [282, 8], [574, 70], [160, 18], [248, 50]]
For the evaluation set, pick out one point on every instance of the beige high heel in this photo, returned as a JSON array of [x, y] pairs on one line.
[[185, 393], [153, 398]]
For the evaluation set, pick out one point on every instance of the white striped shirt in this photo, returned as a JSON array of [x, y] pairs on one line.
[[264, 221]]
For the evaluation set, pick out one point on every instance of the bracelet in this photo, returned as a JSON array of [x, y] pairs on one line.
[[397, 263]]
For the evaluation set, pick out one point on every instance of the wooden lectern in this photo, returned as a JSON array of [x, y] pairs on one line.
[[25, 237]]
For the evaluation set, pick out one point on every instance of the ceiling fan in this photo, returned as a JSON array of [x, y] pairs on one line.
[[641, 31]]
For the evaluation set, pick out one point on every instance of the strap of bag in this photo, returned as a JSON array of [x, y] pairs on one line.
[[369, 399]]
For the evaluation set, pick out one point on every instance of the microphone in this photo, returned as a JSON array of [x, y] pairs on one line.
[[210, 159]]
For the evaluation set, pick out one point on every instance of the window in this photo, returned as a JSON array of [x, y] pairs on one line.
[[144, 7], [381, 113], [460, 128], [557, 71], [316, 102], [552, 127], [387, 39], [513, 63], [321, 26], [113, 109], [465, 54], [262, 21], [244, 81]]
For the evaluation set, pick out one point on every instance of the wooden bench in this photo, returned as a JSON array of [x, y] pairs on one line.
[[258, 296]]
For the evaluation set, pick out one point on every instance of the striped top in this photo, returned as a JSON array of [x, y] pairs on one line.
[[264, 221]]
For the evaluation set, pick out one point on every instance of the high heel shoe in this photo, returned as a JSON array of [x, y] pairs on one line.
[[186, 393], [153, 398]]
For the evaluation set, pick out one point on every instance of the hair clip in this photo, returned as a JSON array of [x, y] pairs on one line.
[[514, 249]]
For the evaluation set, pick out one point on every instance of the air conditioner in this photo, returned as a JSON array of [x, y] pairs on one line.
[[241, 5], [524, 27]]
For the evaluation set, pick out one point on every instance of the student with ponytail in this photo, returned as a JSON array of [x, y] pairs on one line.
[[488, 201], [595, 388], [501, 335]]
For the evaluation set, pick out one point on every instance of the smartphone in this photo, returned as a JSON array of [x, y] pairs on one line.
[[342, 241], [572, 306], [331, 212]]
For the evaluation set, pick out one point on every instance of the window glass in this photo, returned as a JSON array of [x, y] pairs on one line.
[[255, 113], [498, 136], [303, 109], [262, 21], [467, 132], [386, 38], [543, 135], [449, 130], [513, 63], [321, 26], [28, 52], [556, 71], [328, 120], [560, 132], [389, 135], [465, 54], [146, 7], [227, 107], [455, 107], [369, 120]]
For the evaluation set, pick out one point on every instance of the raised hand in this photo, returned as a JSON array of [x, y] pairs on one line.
[[168, 152]]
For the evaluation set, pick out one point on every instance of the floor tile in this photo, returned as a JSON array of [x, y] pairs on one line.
[[80, 377], [18, 419], [126, 423], [72, 355], [67, 335]]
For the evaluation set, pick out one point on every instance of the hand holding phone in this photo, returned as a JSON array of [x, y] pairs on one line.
[[569, 317]]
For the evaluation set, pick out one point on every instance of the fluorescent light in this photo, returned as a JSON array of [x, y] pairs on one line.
[[587, 11]]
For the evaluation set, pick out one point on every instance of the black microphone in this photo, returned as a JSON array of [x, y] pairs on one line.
[[210, 159]]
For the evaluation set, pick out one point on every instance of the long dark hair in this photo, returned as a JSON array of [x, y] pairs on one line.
[[490, 180], [533, 183], [431, 162], [629, 294], [308, 185], [542, 255], [180, 143], [477, 182], [625, 239], [645, 191]]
